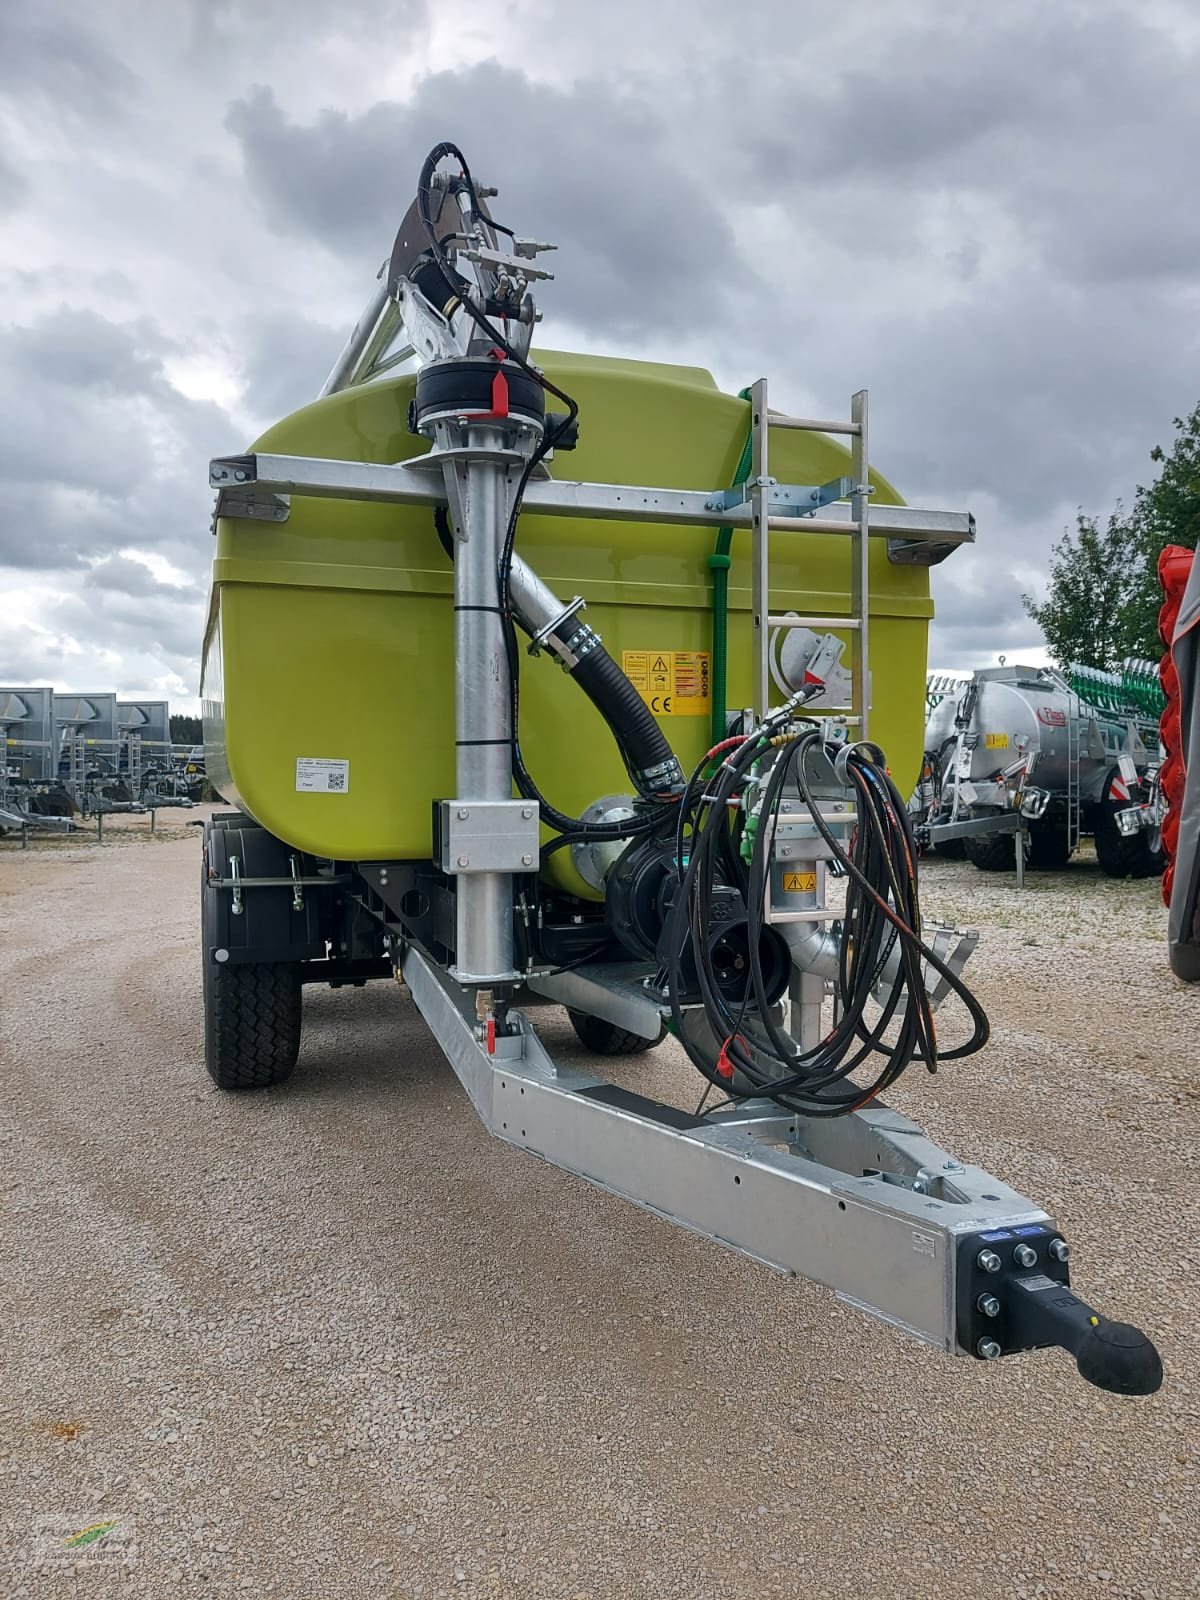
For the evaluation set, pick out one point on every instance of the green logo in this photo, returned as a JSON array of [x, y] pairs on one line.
[[88, 1535]]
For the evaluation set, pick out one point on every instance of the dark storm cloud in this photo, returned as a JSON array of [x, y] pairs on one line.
[[52, 52], [129, 578], [13, 185], [99, 450], [589, 169], [283, 360]]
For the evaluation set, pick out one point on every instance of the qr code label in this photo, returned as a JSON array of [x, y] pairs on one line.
[[319, 775]]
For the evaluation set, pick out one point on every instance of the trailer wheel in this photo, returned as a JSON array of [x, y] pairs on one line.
[[991, 852], [251, 1023], [1049, 847], [1121, 855], [252, 1010], [951, 849], [606, 1039]]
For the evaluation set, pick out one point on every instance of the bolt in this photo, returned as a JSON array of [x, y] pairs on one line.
[[953, 1166], [988, 1261], [526, 861], [463, 813], [988, 1349], [989, 1305], [1060, 1249], [527, 812], [1025, 1255], [464, 861]]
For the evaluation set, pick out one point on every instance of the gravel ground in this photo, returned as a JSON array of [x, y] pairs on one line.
[[334, 1341]]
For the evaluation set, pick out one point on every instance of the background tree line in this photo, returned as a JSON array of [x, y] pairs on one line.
[[1103, 599]]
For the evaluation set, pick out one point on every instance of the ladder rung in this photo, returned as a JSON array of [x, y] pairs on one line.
[[776, 419], [812, 525], [791, 621]]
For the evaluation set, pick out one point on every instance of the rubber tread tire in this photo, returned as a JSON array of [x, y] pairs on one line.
[[252, 1021], [991, 852], [606, 1039], [1121, 856], [950, 849], [1048, 848]]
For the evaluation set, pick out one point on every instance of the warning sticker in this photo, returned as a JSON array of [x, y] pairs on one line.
[[317, 775], [996, 741], [673, 683], [799, 882]]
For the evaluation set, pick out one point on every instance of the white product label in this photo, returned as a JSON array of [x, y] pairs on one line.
[[315, 775]]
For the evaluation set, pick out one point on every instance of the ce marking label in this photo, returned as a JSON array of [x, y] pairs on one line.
[[660, 704]]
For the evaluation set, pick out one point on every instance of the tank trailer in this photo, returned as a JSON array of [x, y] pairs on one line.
[[1057, 755], [597, 828]]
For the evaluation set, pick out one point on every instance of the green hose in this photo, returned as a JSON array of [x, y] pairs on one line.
[[719, 563]]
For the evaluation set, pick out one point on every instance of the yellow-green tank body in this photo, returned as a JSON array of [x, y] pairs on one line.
[[331, 635]]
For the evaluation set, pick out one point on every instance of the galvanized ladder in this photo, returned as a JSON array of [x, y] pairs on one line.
[[1074, 807], [133, 763], [763, 521], [806, 990], [77, 767]]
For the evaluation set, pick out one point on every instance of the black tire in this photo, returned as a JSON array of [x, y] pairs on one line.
[[1120, 855], [606, 1039], [991, 852], [1049, 847], [951, 849], [252, 1010], [252, 1015]]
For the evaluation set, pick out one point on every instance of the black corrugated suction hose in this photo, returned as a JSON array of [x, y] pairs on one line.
[[651, 762], [648, 756]]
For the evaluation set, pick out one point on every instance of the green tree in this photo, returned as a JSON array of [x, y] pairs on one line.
[[1103, 598], [1166, 512], [186, 730], [1095, 575]]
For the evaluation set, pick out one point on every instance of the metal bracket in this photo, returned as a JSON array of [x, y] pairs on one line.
[[918, 552], [487, 836], [783, 499], [538, 643], [250, 505]]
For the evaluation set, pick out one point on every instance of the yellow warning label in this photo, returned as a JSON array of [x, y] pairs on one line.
[[799, 882], [673, 683], [996, 741]]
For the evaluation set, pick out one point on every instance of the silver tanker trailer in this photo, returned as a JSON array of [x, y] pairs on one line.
[[1054, 755]]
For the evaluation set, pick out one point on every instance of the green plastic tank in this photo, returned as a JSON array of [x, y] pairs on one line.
[[330, 635]]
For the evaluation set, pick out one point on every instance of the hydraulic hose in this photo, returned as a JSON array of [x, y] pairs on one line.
[[719, 564]]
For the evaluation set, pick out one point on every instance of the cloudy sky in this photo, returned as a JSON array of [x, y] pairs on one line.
[[985, 214]]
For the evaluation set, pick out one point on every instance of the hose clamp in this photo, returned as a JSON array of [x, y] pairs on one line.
[[668, 771], [582, 645], [542, 639]]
